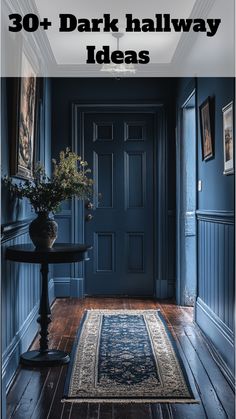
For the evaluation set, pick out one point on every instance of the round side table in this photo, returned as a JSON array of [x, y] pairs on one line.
[[60, 253]]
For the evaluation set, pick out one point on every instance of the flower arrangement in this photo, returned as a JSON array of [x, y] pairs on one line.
[[69, 178]]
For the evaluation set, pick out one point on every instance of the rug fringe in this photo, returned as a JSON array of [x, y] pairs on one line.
[[186, 401]]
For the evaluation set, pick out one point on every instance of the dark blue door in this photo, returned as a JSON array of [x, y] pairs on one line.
[[119, 148]]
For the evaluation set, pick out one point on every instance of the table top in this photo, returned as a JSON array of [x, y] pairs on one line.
[[59, 253]]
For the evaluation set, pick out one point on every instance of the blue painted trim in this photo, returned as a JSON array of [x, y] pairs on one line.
[[161, 206], [160, 181], [77, 287], [216, 216], [63, 214], [219, 360], [3, 412], [51, 291], [165, 288], [12, 230], [68, 287], [184, 228], [61, 287], [190, 224], [21, 342], [220, 335]]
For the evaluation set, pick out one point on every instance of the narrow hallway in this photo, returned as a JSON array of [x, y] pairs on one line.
[[37, 393]]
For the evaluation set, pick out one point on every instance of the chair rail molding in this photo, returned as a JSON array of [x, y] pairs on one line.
[[216, 216], [12, 230]]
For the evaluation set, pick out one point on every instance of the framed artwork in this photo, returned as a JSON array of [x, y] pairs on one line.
[[206, 129], [228, 139], [25, 127]]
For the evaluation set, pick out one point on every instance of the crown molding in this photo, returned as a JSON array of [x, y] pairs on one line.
[[36, 45], [200, 10]]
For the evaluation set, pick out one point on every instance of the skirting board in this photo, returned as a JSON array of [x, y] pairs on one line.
[[21, 342], [69, 287], [164, 288], [219, 334]]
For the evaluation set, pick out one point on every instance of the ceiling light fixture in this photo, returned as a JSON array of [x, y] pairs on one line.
[[116, 69]]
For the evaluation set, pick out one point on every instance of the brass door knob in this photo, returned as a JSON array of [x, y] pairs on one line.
[[89, 205], [88, 217]]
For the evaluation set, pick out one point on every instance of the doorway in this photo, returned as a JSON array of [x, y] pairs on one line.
[[132, 237], [186, 204], [119, 148]]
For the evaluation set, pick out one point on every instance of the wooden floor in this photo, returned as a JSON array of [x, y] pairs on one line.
[[37, 393]]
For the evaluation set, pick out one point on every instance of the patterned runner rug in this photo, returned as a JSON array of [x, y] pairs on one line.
[[126, 356]]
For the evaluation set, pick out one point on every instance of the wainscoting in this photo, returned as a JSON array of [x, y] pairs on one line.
[[215, 302], [20, 301]]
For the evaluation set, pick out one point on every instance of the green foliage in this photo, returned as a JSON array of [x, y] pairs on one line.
[[69, 179]]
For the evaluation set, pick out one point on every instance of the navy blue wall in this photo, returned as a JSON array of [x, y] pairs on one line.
[[217, 192], [20, 282], [215, 304], [65, 92], [215, 224], [92, 91]]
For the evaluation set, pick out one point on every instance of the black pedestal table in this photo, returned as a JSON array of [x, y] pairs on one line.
[[60, 253]]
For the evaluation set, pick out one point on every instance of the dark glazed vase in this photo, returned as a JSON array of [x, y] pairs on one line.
[[43, 231]]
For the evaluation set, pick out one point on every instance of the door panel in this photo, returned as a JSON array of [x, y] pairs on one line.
[[119, 149], [103, 173], [135, 182]]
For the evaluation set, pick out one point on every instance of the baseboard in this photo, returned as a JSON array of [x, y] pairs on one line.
[[69, 287], [221, 338], [219, 361], [21, 342], [51, 291], [165, 288]]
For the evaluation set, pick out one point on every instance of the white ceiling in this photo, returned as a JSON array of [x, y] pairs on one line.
[[70, 48]]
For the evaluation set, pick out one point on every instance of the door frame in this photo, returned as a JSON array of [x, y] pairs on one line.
[[160, 183], [180, 272]]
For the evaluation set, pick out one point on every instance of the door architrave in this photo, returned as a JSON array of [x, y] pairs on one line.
[[160, 262]]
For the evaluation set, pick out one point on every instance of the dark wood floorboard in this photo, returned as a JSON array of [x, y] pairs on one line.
[[207, 393], [21, 382], [79, 411], [37, 393], [223, 390], [106, 411]]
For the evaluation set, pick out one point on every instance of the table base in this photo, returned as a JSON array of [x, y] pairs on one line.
[[49, 358]]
